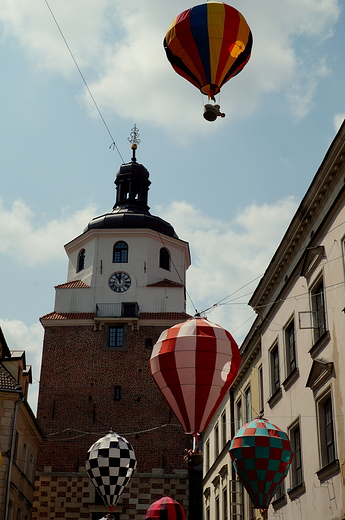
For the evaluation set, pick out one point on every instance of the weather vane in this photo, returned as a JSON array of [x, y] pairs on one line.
[[134, 139]]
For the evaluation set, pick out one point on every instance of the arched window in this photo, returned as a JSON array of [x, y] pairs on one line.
[[120, 252], [164, 259], [81, 260]]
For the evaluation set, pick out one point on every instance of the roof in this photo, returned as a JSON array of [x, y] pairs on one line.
[[165, 283], [68, 316], [125, 218], [74, 284], [7, 381], [164, 316]]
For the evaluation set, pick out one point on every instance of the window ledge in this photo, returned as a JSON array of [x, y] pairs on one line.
[[327, 471], [275, 398], [319, 344], [296, 491], [291, 378], [279, 503]]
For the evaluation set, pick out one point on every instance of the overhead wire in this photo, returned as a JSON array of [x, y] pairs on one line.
[[113, 144]]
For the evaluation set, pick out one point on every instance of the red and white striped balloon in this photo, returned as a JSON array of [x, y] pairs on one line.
[[194, 364]]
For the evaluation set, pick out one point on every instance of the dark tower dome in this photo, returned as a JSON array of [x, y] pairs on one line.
[[131, 209]]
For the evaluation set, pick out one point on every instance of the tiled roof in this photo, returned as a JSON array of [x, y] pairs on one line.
[[164, 316], [7, 381], [69, 316], [75, 284], [165, 283]]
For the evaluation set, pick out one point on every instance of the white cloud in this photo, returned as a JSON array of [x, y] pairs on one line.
[[28, 338], [119, 45], [41, 242], [229, 257], [338, 121]]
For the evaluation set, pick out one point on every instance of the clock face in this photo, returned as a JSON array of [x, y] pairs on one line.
[[119, 282]]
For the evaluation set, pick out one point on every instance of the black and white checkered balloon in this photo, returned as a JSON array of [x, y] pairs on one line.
[[110, 464]]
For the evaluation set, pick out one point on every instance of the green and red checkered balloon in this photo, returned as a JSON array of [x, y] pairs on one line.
[[261, 454]]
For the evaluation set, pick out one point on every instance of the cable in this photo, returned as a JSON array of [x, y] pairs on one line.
[[113, 144]]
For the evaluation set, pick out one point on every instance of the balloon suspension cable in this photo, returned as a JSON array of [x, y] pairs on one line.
[[134, 139], [195, 441]]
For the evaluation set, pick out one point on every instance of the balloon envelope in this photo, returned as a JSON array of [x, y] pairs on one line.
[[261, 454], [165, 509], [110, 464], [208, 44], [194, 364]]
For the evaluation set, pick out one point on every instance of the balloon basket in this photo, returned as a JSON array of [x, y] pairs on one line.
[[211, 112]]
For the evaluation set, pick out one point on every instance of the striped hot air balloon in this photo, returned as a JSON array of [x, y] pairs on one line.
[[165, 509], [209, 44], [194, 364]]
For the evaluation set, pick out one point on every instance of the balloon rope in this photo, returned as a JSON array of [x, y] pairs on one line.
[[195, 440]]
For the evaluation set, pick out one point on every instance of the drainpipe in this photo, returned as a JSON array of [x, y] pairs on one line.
[[12, 449]]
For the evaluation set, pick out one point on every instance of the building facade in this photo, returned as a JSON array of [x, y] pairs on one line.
[[20, 436], [125, 285], [300, 303], [293, 359]]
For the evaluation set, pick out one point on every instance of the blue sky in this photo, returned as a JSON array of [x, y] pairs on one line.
[[230, 187]]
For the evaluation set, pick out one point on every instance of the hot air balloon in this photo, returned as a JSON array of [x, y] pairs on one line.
[[261, 454], [207, 45], [110, 464], [194, 364], [165, 509]]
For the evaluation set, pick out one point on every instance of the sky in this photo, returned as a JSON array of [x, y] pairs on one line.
[[75, 78]]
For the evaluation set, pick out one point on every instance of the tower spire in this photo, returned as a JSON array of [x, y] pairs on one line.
[[134, 139]]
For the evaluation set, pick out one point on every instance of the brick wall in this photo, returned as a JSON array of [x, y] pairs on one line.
[[77, 406], [73, 497]]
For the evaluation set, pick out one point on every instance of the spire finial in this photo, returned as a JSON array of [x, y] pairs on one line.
[[134, 139]]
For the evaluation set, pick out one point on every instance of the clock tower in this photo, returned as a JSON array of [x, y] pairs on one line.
[[125, 285]]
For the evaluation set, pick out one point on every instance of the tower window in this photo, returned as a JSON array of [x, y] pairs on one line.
[[115, 337], [120, 252], [81, 260], [164, 259], [117, 393]]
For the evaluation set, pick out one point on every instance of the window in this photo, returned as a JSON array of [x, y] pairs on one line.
[[164, 259], [81, 260], [261, 388], [225, 504], [24, 457], [290, 347], [216, 441], [280, 491], [326, 430], [207, 456], [15, 452], [31, 472], [224, 435], [217, 509], [117, 393], [120, 253], [248, 404], [115, 336], [296, 467], [239, 414], [275, 375], [318, 308]]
